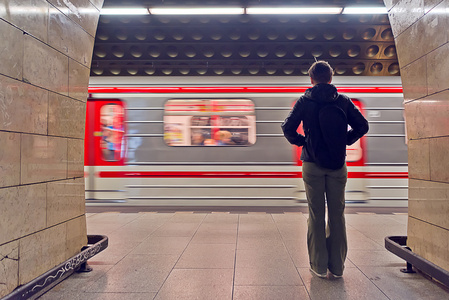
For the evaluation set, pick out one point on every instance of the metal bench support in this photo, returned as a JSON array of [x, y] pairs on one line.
[[43, 283], [398, 245]]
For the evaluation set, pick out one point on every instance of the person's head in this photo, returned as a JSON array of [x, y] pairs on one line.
[[321, 72]]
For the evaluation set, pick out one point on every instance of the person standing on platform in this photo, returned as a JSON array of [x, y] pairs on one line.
[[325, 115]]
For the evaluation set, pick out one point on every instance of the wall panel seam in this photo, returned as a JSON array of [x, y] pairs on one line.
[[49, 227]]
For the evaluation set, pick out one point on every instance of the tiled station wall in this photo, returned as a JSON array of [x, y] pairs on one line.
[[421, 34], [45, 57]]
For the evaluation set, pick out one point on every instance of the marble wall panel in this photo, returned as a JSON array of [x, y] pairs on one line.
[[23, 211], [65, 200], [430, 4], [45, 67], [75, 157], [41, 251], [418, 153], [69, 38], [11, 50], [428, 117], [415, 86], [390, 3], [23, 108], [29, 15], [438, 69], [439, 159], [429, 202], [82, 12], [428, 241], [43, 158], [66, 116], [9, 267], [9, 159], [78, 80], [426, 35], [76, 235], [402, 17], [97, 3]]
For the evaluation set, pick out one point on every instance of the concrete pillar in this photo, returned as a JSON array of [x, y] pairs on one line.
[[45, 54], [421, 34]]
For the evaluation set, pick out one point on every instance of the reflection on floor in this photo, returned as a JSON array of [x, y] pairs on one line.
[[189, 255]]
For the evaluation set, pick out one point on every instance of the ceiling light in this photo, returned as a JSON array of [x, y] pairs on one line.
[[197, 11], [293, 10], [124, 11], [365, 10]]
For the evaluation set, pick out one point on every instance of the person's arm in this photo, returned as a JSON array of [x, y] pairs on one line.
[[290, 126], [358, 123]]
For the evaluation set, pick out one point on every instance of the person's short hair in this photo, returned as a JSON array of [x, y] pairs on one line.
[[321, 72]]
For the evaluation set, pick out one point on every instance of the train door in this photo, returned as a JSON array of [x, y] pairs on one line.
[[105, 144]]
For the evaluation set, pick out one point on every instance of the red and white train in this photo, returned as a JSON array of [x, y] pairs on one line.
[[217, 141]]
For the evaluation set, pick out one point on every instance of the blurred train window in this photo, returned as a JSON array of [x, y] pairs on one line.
[[112, 130], [209, 122]]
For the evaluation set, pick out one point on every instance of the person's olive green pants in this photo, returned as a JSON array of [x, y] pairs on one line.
[[327, 245]]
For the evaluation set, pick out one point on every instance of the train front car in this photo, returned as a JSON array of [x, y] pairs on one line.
[[218, 142]]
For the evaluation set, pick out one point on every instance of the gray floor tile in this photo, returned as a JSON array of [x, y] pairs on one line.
[[135, 273], [360, 241], [205, 226], [258, 229], [221, 218], [102, 228], [398, 285], [265, 276], [113, 217], [292, 231], [255, 218], [295, 218], [298, 252], [97, 296], [222, 236], [260, 242], [382, 258], [162, 245], [177, 229], [197, 284], [264, 258], [195, 256], [114, 253], [270, 293], [187, 218], [352, 286], [207, 256]]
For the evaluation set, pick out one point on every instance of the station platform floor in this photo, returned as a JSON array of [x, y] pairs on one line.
[[226, 255]]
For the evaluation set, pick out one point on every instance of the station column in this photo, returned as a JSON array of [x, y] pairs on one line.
[[45, 58], [421, 37]]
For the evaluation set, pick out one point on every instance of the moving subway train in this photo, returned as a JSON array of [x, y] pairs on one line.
[[217, 141]]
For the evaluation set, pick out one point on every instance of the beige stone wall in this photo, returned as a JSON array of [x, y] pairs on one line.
[[45, 53], [421, 33]]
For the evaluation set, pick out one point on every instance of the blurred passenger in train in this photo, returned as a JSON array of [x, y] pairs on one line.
[[325, 115], [107, 141], [223, 137], [198, 138]]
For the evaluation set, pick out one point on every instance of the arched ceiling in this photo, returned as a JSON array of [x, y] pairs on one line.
[[280, 45]]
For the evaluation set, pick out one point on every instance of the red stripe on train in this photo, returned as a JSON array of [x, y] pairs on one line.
[[229, 89], [122, 174]]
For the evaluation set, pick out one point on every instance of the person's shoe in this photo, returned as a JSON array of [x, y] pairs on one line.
[[321, 275], [335, 276]]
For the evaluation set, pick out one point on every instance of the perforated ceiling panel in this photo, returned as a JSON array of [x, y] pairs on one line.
[[243, 45]]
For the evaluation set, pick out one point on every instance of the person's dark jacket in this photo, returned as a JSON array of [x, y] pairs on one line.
[[303, 111]]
